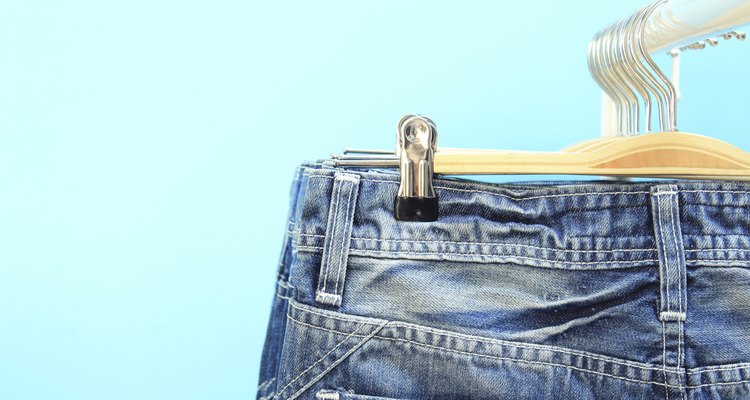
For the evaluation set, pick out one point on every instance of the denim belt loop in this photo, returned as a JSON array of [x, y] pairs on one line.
[[672, 270], [337, 239]]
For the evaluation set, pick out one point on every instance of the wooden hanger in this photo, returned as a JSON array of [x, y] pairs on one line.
[[664, 154]]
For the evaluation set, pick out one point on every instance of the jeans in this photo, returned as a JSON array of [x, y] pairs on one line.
[[568, 290]]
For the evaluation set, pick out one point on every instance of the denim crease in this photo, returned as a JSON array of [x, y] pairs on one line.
[[554, 290]]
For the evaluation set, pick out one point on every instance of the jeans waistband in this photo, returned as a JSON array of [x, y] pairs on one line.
[[583, 225]]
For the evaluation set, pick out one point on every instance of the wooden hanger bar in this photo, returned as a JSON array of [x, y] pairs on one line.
[[665, 154]]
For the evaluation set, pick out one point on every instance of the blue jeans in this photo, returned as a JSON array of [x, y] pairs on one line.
[[573, 290]]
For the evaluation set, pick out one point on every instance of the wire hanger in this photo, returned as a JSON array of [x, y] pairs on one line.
[[624, 69]]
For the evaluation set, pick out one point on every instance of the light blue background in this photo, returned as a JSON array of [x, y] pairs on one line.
[[147, 147]]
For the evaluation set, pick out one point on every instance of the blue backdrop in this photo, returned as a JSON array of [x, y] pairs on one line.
[[147, 147]]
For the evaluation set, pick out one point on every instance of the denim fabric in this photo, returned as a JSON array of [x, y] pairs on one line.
[[573, 290]]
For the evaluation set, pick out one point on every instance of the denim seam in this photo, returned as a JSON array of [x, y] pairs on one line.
[[724, 205], [345, 236], [336, 198], [718, 384], [501, 244], [479, 339], [263, 385], [681, 264], [605, 251], [611, 237], [704, 250], [285, 285], [501, 258], [716, 191], [721, 263], [683, 311], [716, 368], [376, 336], [664, 268], [664, 356], [718, 235]]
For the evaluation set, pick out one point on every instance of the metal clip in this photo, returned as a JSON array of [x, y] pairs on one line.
[[416, 146]]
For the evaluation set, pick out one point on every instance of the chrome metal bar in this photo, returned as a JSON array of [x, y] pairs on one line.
[[363, 157], [348, 150], [681, 22], [365, 163]]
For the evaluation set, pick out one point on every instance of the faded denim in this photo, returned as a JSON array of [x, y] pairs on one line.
[[573, 290]]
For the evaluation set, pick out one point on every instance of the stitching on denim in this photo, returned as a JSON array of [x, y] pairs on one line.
[[716, 191], [723, 205], [610, 237], [726, 263], [349, 178], [376, 336], [507, 258], [285, 285], [727, 249], [674, 221], [490, 244], [716, 368], [541, 197], [680, 327], [345, 234], [283, 297], [504, 256], [327, 298], [265, 384], [320, 359], [327, 395], [528, 346], [335, 362], [715, 235], [664, 356], [672, 316], [283, 290], [719, 384], [311, 235], [663, 256], [499, 244], [311, 311], [331, 220]]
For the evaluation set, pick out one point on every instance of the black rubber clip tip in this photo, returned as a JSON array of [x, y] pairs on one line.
[[417, 209]]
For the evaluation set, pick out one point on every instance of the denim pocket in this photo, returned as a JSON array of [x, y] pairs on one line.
[[336, 355], [315, 345]]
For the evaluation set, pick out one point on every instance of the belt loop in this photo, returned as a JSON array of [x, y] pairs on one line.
[[337, 239], [672, 270]]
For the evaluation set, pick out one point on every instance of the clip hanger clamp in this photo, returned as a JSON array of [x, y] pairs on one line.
[[415, 149]]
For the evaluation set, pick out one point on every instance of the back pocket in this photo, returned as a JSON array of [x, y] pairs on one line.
[[314, 344]]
